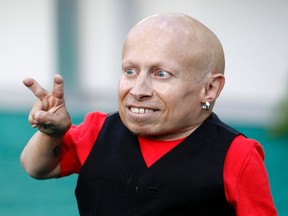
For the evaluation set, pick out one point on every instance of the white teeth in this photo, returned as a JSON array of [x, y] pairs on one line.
[[140, 110]]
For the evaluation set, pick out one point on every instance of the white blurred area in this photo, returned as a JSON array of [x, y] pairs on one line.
[[27, 48], [253, 33]]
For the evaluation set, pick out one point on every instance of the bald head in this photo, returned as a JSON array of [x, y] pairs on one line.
[[199, 46], [171, 65]]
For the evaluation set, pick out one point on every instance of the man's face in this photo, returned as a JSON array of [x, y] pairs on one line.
[[159, 95]]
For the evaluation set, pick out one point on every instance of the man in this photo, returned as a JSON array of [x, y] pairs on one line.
[[165, 152]]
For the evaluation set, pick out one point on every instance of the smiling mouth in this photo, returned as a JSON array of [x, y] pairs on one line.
[[141, 110]]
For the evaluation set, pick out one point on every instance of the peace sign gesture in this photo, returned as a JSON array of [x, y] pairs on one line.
[[49, 113]]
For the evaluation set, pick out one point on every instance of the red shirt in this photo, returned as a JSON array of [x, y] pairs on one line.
[[245, 177]]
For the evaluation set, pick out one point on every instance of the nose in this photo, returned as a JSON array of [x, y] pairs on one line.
[[141, 89]]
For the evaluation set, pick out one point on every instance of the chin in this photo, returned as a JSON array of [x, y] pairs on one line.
[[141, 130], [138, 131]]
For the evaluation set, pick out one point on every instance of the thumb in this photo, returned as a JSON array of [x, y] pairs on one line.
[[58, 88]]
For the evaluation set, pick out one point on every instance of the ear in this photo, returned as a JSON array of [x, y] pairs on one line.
[[213, 87]]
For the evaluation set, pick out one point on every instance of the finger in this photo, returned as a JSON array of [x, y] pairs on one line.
[[58, 89], [38, 91], [36, 107], [42, 117], [51, 125]]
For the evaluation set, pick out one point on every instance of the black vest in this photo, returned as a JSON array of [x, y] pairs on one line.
[[115, 181]]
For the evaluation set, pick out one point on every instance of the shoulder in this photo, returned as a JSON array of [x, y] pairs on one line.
[[78, 142], [241, 151], [92, 122], [94, 117], [242, 147]]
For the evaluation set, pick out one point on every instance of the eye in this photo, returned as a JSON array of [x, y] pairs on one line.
[[162, 74], [130, 72]]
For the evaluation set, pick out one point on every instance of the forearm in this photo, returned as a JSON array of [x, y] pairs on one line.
[[41, 156]]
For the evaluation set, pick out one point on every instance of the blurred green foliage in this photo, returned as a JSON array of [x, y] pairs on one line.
[[280, 125]]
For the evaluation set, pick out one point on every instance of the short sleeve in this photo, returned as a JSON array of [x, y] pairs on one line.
[[246, 180], [78, 142]]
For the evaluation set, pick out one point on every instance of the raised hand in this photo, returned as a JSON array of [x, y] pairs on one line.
[[49, 113]]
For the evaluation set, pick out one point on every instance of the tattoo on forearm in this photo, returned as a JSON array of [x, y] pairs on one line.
[[57, 151]]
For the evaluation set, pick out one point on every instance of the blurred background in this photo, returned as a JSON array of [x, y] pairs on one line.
[[82, 41]]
